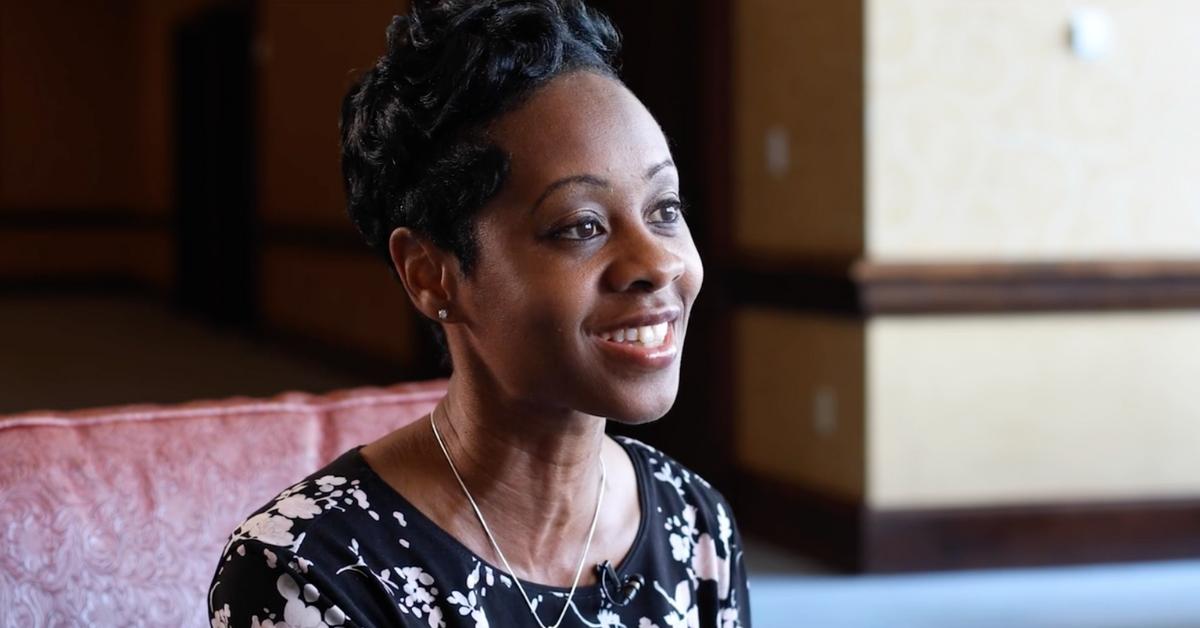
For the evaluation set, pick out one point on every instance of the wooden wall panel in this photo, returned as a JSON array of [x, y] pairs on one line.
[[68, 104], [310, 54], [798, 69], [37, 255], [799, 388], [340, 299]]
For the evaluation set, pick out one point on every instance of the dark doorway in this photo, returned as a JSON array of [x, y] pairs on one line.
[[675, 58], [214, 207]]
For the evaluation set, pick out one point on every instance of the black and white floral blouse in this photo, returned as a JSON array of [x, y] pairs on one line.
[[342, 548]]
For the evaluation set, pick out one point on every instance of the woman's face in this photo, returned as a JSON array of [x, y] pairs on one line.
[[585, 242]]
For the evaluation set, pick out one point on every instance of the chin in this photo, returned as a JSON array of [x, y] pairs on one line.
[[642, 406]]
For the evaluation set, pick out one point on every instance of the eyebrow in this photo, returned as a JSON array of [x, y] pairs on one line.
[[594, 181]]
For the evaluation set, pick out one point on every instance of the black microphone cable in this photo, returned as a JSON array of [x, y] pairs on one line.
[[628, 590]]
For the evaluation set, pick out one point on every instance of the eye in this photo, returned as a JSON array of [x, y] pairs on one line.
[[582, 230], [667, 212]]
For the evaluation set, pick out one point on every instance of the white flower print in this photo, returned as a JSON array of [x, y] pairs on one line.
[[683, 613], [415, 581], [682, 539], [725, 527], [297, 506], [220, 619], [687, 522], [467, 605], [681, 547], [473, 577], [709, 566], [419, 595], [297, 613], [608, 619], [664, 474], [360, 497], [326, 482], [300, 564], [268, 528]]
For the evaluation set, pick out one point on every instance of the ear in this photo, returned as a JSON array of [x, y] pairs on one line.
[[426, 271]]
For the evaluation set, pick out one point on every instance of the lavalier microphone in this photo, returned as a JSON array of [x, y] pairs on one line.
[[628, 589]]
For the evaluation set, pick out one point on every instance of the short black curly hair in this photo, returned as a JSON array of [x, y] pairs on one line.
[[413, 128]]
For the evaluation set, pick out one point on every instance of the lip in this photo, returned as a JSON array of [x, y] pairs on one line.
[[652, 317], [637, 355]]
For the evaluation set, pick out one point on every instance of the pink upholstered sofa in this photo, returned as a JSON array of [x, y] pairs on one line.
[[117, 516]]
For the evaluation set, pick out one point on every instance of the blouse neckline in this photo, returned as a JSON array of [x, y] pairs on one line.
[[640, 472]]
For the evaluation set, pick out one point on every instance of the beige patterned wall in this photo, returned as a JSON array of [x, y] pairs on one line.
[[988, 139]]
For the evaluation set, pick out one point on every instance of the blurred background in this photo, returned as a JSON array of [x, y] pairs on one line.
[[946, 356]]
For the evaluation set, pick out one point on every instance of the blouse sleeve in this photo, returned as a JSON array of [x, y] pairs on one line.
[[735, 609], [261, 585]]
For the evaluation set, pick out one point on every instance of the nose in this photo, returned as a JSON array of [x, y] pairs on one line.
[[644, 261]]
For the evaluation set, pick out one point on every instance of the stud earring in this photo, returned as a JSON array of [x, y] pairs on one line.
[[442, 314]]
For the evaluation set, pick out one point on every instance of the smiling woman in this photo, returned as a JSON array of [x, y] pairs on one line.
[[529, 205]]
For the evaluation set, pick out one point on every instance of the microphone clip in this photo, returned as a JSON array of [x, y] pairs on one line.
[[628, 589]]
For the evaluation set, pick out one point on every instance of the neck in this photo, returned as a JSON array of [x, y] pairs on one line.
[[533, 471]]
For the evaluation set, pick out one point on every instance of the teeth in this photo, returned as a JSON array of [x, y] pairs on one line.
[[647, 335]]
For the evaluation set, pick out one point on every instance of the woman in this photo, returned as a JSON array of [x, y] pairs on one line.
[[529, 205]]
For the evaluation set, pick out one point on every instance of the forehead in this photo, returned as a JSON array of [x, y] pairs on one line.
[[580, 123]]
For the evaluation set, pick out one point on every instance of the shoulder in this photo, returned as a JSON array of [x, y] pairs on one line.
[[694, 523], [676, 487], [302, 553], [668, 471], [335, 491]]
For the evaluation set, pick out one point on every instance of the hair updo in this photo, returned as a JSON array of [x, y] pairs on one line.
[[413, 128]]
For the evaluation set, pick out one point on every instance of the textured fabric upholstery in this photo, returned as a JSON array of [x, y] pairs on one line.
[[117, 516]]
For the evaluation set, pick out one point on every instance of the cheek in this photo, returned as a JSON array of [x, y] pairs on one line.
[[696, 269], [694, 275], [527, 306]]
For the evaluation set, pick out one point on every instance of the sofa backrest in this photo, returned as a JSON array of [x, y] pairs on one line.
[[117, 516]]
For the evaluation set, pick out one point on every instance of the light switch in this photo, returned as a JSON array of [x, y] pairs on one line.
[[1091, 33], [824, 415], [778, 151]]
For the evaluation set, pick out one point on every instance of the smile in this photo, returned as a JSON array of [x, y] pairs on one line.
[[646, 344], [646, 335]]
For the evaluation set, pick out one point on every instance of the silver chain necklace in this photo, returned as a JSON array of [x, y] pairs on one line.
[[496, 546]]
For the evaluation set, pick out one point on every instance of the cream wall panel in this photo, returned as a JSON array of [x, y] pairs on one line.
[[799, 399], [798, 79], [990, 409], [989, 140]]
